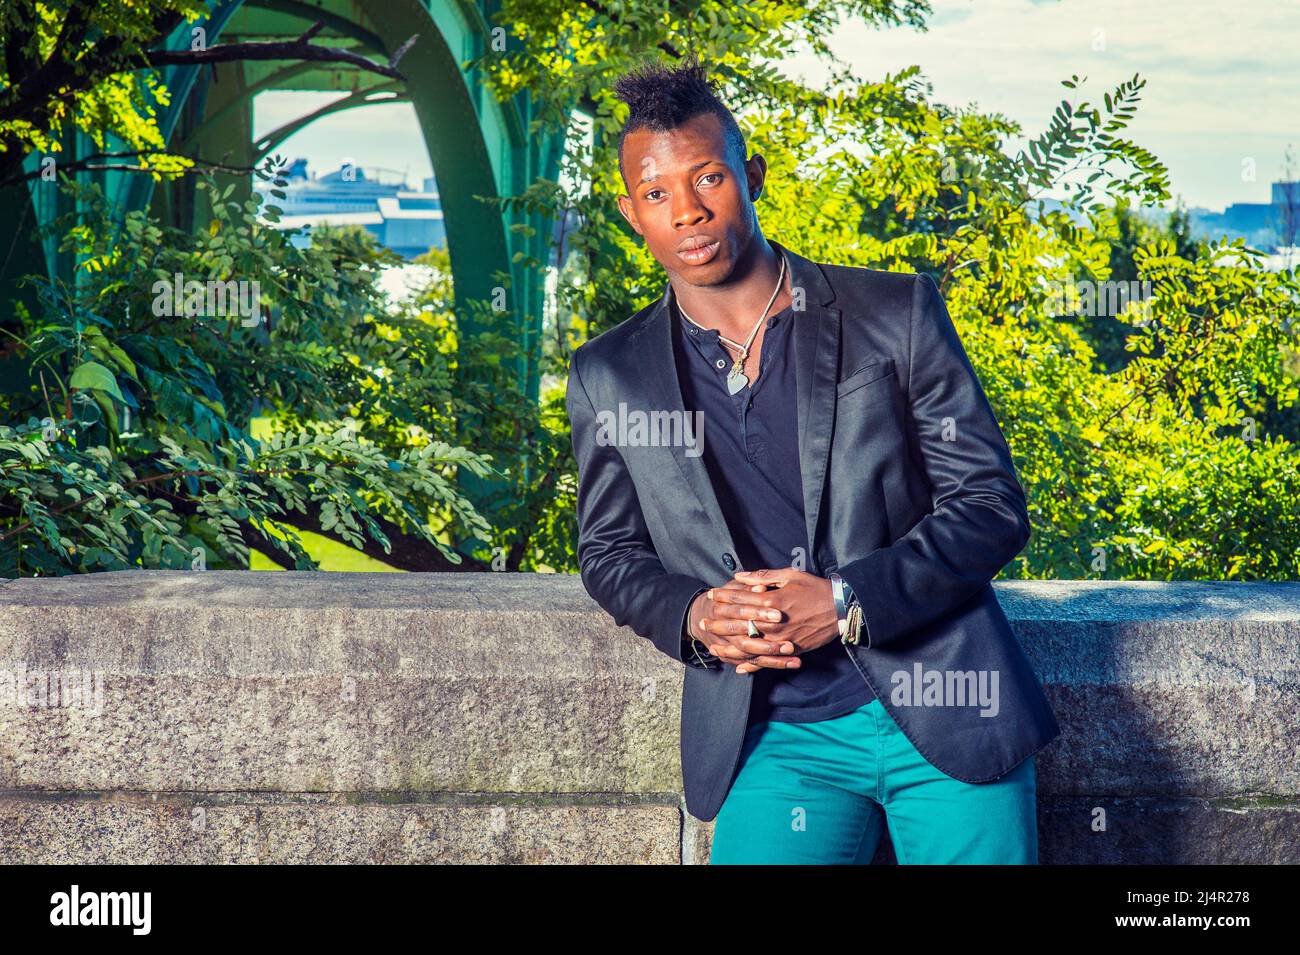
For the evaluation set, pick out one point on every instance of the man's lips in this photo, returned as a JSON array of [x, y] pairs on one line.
[[696, 241], [698, 249]]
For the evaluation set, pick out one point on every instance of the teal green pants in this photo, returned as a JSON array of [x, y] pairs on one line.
[[819, 793]]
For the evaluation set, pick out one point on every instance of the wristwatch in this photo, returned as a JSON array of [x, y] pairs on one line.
[[848, 610]]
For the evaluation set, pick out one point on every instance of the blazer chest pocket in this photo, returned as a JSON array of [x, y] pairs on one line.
[[872, 371]]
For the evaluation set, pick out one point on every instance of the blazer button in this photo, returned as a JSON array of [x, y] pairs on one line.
[[729, 562]]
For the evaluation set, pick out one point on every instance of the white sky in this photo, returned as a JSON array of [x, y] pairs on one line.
[[1223, 83]]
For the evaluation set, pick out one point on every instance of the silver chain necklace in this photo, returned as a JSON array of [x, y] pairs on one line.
[[736, 377]]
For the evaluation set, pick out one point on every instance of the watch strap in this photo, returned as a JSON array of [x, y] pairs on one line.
[[838, 592]]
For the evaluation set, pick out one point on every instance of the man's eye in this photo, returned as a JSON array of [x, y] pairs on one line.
[[711, 175], [651, 194]]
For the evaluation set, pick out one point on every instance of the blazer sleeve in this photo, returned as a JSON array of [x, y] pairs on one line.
[[978, 521], [619, 566]]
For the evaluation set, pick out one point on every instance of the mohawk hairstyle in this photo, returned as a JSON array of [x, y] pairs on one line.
[[661, 98]]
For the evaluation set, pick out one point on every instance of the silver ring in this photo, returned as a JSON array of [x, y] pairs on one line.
[[753, 630]]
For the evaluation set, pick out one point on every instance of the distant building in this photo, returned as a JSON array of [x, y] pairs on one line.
[[1264, 225], [408, 222]]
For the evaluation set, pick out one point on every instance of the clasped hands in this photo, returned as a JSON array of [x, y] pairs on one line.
[[793, 610]]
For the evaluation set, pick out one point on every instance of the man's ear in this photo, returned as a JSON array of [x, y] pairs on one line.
[[625, 207], [755, 175]]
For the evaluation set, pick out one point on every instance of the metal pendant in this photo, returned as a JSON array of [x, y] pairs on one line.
[[735, 381]]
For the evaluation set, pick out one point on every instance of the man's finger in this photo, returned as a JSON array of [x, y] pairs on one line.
[[740, 639], [748, 648], [729, 653], [766, 645], [727, 627], [725, 636], [746, 612], [747, 597], [771, 662], [740, 648], [736, 631], [768, 576], [731, 586]]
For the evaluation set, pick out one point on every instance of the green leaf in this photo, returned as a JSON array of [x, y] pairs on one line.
[[93, 376]]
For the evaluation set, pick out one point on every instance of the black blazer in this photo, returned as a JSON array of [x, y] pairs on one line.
[[909, 493]]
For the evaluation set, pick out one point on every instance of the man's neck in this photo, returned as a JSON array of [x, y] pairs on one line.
[[733, 308]]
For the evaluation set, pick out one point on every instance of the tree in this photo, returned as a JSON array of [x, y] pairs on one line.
[[1127, 230], [136, 397], [86, 65], [130, 442]]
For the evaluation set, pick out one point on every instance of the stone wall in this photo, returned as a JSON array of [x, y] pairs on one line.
[[227, 716]]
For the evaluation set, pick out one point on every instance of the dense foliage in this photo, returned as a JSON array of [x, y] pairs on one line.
[[133, 444], [1155, 440]]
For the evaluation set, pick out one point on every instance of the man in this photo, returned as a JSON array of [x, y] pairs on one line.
[[827, 444]]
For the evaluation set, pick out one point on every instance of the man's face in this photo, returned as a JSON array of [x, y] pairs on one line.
[[689, 199]]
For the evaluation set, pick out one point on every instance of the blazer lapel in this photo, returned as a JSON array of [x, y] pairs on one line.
[[816, 332], [663, 391]]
